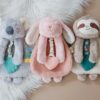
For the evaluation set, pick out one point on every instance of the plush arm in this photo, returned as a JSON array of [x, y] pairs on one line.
[[18, 54], [41, 53], [3, 46], [78, 50], [60, 52], [94, 50]]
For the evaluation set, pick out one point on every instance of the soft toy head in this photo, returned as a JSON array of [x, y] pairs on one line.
[[50, 27], [86, 27], [11, 29]]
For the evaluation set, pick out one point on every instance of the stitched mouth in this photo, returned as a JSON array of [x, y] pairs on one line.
[[88, 29]]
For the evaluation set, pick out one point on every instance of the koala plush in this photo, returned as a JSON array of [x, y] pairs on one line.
[[86, 49], [12, 67], [11, 31]]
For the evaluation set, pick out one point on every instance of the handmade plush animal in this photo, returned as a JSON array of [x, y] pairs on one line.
[[11, 43], [15, 54], [51, 57], [86, 49]]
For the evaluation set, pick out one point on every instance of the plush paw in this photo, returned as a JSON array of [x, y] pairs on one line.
[[18, 80], [46, 80], [93, 77], [57, 79], [81, 77], [8, 79]]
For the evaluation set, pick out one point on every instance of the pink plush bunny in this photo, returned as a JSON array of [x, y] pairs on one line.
[[51, 57]]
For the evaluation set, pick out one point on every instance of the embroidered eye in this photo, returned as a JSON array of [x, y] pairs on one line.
[[93, 25], [81, 26]]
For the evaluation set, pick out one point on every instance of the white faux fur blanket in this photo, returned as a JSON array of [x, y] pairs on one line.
[[66, 10]]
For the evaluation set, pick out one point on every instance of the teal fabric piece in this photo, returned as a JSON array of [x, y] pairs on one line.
[[86, 64], [10, 66], [8, 61]]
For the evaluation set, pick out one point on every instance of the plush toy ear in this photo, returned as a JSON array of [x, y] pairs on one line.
[[24, 23], [68, 34], [33, 34]]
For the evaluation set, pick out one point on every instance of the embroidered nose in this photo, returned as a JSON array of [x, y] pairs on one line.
[[50, 27], [10, 30]]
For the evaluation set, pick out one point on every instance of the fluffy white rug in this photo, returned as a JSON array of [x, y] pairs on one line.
[[19, 92], [66, 10]]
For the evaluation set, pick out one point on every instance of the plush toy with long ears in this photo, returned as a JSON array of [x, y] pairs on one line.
[[51, 57], [86, 51]]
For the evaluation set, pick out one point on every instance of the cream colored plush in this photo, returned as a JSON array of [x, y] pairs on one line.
[[85, 29]]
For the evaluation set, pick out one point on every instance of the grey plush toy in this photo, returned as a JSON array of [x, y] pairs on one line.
[[12, 34], [11, 43]]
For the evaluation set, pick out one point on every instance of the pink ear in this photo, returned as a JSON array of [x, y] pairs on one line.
[[69, 36], [32, 34]]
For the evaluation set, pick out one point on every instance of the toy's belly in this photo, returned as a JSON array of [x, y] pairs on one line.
[[86, 64]]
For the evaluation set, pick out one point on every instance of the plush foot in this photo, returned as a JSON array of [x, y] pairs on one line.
[[46, 80], [58, 79], [81, 77], [93, 77], [18, 80], [8, 79]]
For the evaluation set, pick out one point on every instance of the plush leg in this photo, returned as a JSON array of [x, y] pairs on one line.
[[57, 79], [8, 79], [3, 46], [81, 77], [78, 50], [93, 77], [94, 50], [46, 79], [18, 54]]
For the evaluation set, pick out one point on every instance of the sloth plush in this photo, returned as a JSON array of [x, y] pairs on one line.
[[86, 49]]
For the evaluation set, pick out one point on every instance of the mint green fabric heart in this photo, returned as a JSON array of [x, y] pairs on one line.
[[10, 66], [8, 61]]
